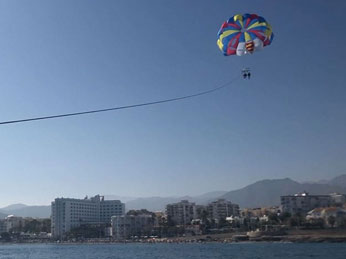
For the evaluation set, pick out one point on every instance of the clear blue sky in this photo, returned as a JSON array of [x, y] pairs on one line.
[[61, 56]]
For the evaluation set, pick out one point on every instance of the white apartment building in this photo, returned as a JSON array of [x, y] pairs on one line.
[[221, 209], [11, 223], [127, 226], [181, 213], [70, 213], [304, 202]]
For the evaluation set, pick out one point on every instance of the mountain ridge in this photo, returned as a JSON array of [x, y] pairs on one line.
[[267, 192], [262, 193], [14, 206]]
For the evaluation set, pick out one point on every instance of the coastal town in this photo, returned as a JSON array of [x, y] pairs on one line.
[[300, 217]]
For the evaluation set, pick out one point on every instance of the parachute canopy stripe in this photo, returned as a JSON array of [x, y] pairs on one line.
[[251, 31], [226, 38]]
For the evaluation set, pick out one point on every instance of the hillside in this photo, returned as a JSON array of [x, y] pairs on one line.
[[258, 194], [268, 192], [338, 181], [28, 211], [150, 203], [159, 203], [3, 215], [14, 207]]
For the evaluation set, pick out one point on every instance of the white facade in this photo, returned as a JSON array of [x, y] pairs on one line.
[[181, 213], [338, 199], [221, 209], [71, 213], [11, 223], [127, 226], [303, 202]]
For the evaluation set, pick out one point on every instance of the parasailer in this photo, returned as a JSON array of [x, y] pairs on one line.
[[246, 73], [244, 34]]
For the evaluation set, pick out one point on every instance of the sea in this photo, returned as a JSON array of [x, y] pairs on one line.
[[174, 251]]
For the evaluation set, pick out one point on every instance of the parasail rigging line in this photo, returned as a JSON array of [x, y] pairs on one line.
[[121, 107]]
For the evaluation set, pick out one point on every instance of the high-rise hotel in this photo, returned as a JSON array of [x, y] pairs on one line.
[[70, 213]]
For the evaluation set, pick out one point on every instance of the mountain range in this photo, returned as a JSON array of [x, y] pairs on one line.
[[267, 192], [26, 211], [259, 194]]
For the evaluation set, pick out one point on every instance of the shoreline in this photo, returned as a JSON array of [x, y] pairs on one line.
[[292, 236]]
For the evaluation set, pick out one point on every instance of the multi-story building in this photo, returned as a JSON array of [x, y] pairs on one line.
[[181, 213], [11, 223], [70, 213], [14, 223], [128, 226], [2, 226], [221, 209], [338, 199], [303, 202]]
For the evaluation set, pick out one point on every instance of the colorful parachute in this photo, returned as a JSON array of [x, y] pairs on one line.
[[243, 34]]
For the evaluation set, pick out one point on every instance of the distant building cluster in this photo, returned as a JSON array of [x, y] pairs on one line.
[[107, 218], [69, 214], [182, 213], [304, 202], [26, 227], [189, 217], [328, 210]]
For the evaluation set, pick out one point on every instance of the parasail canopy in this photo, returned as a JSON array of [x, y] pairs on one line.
[[244, 34]]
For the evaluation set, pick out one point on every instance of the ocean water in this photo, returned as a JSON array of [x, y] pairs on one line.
[[174, 251]]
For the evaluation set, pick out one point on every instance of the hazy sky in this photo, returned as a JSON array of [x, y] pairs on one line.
[[61, 56]]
